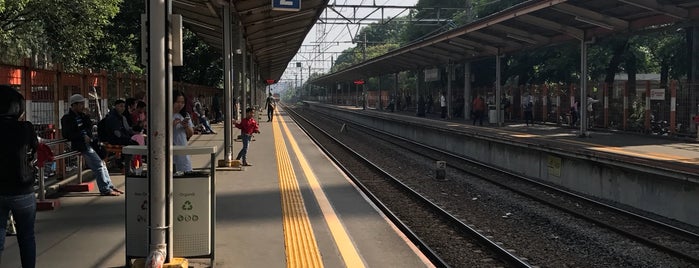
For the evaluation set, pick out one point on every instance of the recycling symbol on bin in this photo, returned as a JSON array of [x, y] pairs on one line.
[[187, 205]]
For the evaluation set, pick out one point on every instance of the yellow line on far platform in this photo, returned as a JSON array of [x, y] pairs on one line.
[[342, 240], [624, 151]]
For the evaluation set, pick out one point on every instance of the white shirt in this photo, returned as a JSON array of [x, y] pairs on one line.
[[179, 137], [442, 101]]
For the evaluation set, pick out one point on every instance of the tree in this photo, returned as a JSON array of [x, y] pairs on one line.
[[120, 48], [203, 65], [61, 31]]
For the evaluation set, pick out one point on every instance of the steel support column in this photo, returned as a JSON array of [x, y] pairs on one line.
[[159, 129], [467, 90], [227, 84], [583, 90], [498, 89]]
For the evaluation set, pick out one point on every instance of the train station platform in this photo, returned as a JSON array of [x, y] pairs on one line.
[[653, 174], [675, 151], [291, 208]]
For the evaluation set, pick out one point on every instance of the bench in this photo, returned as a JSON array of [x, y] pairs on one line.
[[112, 148], [115, 149]]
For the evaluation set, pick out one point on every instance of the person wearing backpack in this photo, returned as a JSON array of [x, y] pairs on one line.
[[77, 128], [17, 162]]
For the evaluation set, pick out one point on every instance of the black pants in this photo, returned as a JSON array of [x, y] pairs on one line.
[[528, 117], [270, 114], [478, 115]]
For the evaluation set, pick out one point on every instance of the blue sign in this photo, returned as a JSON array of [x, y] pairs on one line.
[[286, 5]]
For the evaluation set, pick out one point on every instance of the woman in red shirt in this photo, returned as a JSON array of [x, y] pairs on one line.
[[248, 126]]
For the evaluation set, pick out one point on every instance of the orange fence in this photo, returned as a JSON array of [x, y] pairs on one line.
[[47, 92]]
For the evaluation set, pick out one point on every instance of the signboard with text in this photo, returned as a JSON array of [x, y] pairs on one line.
[[431, 75], [286, 5], [657, 94]]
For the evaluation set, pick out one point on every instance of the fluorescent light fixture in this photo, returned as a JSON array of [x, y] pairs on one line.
[[522, 38], [596, 23]]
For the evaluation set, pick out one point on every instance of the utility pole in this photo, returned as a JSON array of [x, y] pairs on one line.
[[300, 88], [364, 49], [308, 91]]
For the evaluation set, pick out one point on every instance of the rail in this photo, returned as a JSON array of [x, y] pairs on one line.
[[42, 182]]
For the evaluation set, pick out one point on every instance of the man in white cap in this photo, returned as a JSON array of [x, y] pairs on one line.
[[77, 128]]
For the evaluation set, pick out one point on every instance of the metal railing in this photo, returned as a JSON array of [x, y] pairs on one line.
[[42, 182]]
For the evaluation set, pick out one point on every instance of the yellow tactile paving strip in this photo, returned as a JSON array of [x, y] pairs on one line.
[[299, 241], [344, 244]]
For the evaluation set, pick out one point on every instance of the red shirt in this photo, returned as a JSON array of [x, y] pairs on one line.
[[478, 104], [248, 126]]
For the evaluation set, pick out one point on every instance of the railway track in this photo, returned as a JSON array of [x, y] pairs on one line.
[[436, 232], [659, 236]]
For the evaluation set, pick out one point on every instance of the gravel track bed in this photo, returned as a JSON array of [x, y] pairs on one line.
[[546, 236], [453, 246]]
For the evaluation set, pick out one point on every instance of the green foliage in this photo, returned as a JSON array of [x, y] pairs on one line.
[[120, 47], [418, 31], [72, 27], [203, 65], [61, 31], [20, 31]]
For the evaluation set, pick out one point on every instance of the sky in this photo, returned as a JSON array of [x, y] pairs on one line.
[[334, 38]]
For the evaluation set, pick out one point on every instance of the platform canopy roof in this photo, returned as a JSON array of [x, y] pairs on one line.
[[531, 24], [273, 37]]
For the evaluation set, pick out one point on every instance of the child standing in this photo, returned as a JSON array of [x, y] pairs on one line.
[[248, 126]]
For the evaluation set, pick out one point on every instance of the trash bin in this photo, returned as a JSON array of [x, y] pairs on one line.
[[193, 208], [492, 114]]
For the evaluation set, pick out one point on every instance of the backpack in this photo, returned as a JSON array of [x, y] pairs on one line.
[[102, 131]]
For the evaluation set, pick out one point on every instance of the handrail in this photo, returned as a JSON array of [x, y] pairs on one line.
[[42, 183], [53, 142]]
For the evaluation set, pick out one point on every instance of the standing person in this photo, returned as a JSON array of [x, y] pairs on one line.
[[420, 106], [443, 105], [271, 104], [17, 162], [574, 112], [77, 128], [428, 104], [529, 113], [183, 129], [478, 105], [216, 109], [591, 109], [408, 101], [248, 126]]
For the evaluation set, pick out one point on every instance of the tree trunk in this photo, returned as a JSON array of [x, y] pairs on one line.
[[619, 48], [664, 72]]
